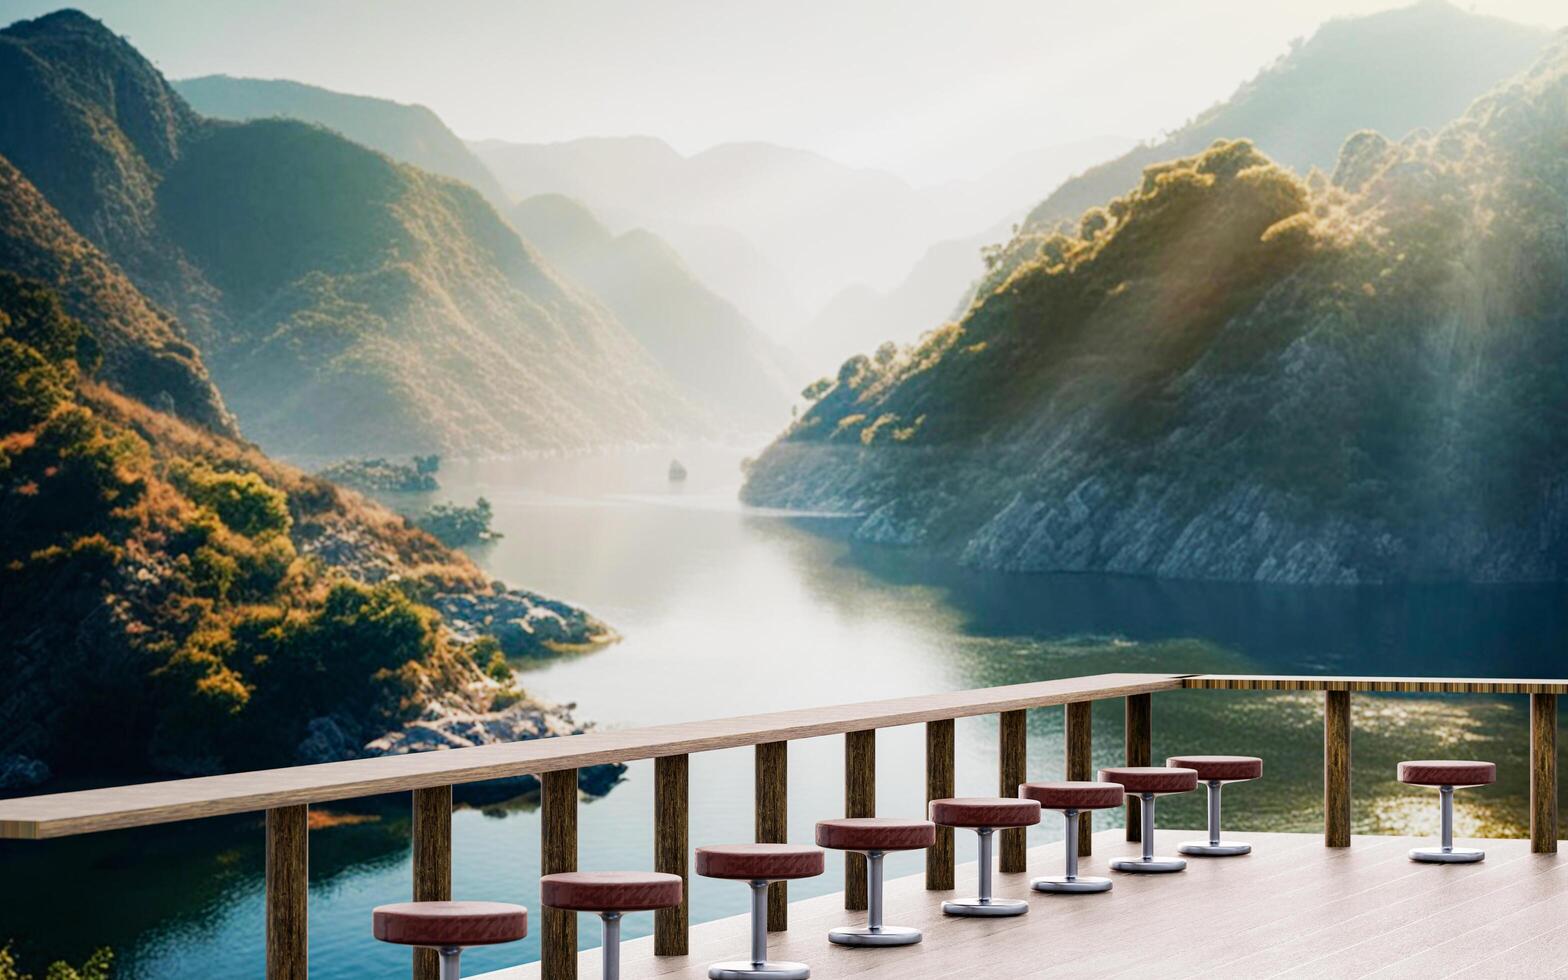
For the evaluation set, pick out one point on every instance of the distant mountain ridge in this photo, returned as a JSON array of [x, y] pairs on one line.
[[1231, 372], [1393, 72], [321, 280], [701, 340], [408, 133]]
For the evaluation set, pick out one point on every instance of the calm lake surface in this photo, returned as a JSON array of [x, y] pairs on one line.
[[728, 611]]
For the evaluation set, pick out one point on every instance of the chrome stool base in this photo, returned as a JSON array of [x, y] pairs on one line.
[[1148, 865], [1451, 855], [874, 936], [1066, 885], [985, 907], [766, 970], [1199, 848]]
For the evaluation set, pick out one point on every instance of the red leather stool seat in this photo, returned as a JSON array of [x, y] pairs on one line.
[[1447, 772], [760, 862], [985, 811], [610, 891], [448, 924], [875, 834], [1074, 795], [1151, 779], [1225, 768]]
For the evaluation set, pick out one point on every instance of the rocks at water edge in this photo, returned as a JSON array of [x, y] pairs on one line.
[[526, 624]]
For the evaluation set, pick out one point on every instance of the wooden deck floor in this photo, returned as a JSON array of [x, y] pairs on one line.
[[1292, 908]]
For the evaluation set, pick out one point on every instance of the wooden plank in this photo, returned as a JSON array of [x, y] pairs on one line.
[[1079, 738], [940, 785], [671, 842], [432, 844], [772, 819], [288, 882], [88, 811], [558, 853], [860, 800], [1138, 746], [1420, 685], [1336, 769], [1013, 771], [1543, 773]]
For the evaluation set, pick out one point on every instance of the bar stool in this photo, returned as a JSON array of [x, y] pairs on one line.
[[610, 894], [985, 816], [1147, 783], [1070, 799], [1215, 771], [874, 837], [758, 865], [1447, 775], [449, 927]]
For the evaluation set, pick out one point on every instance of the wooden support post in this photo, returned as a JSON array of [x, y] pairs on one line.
[[1079, 738], [772, 806], [288, 879], [670, 839], [1336, 768], [860, 800], [940, 782], [1543, 773], [558, 853], [1138, 741], [432, 863], [1013, 770]]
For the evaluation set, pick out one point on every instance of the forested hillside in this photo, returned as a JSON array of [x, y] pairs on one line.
[[143, 350], [176, 602], [1232, 372], [344, 303]]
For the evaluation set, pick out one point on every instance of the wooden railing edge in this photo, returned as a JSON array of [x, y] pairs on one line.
[[1414, 685], [145, 804]]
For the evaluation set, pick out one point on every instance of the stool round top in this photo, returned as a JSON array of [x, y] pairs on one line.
[[442, 924], [760, 862], [1152, 779], [1225, 768], [1447, 772], [1077, 795], [982, 812], [875, 834], [610, 891]]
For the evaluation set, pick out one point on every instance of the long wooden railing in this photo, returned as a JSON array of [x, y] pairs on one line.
[[286, 794]]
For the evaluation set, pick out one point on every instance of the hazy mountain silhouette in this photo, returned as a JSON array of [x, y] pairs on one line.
[[718, 357], [406, 133], [1395, 72]]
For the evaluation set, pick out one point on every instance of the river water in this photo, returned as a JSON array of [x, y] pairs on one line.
[[726, 611]]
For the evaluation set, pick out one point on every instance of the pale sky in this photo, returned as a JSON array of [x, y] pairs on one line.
[[928, 90]]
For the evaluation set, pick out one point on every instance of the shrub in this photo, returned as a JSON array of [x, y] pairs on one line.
[[244, 502]]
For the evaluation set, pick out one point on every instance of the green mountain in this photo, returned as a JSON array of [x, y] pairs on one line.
[[410, 134], [719, 359], [144, 352], [1232, 372], [345, 303], [1394, 72], [176, 602]]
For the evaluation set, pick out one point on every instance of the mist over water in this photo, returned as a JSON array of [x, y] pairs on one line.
[[728, 611]]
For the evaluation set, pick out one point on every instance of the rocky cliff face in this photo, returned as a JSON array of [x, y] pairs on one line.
[[1231, 373]]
